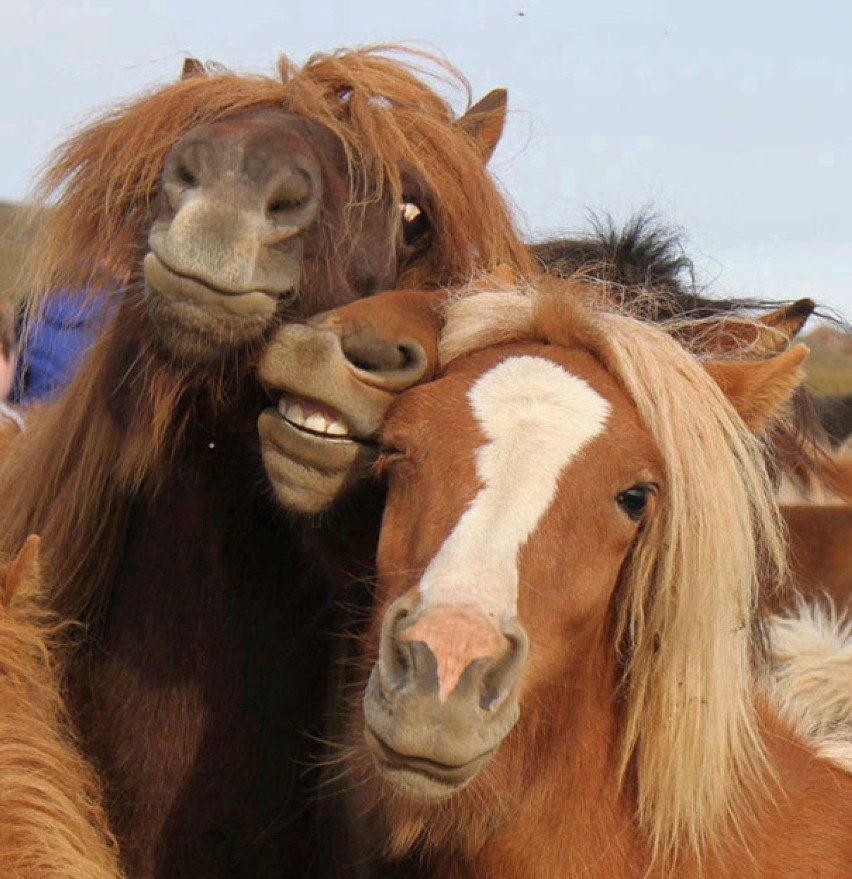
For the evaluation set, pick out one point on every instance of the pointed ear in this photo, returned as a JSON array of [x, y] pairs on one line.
[[787, 322], [485, 120], [23, 577], [772, 334], [760, 389], [192, 67]]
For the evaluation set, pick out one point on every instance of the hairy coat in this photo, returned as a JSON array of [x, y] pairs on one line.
[[52, 821], [209, 611]]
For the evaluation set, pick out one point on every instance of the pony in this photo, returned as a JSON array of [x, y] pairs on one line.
[[207, 213], [53, 821], [563, 674]]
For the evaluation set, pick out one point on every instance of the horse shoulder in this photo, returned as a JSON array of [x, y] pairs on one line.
[[805, 821]]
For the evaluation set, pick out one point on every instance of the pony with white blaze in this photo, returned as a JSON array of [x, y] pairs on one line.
[[565, 672]]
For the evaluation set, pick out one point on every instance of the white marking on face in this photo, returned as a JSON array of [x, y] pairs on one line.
[[537, 417]]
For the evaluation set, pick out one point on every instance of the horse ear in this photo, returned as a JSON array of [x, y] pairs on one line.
[[787, 323], [23, 578], [772, 334], [192, 67], [485, 120], [760, 389]]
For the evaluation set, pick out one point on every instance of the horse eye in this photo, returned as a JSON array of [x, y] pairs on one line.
[[634, 500], [415, 223]]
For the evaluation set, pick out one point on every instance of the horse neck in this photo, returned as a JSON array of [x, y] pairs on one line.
[[112, 437], [583, 823]]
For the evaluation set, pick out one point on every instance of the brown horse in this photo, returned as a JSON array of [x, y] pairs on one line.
[[563, 674], [402, 327], [227, 204], [52, 821]]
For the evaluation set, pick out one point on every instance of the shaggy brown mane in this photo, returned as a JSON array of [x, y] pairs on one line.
[[103, 183], [103, 180]]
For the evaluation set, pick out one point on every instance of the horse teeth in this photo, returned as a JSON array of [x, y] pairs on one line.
[[296, 414], [316, 423]]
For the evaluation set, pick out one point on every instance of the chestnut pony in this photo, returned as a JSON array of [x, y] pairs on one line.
[[215, 209], [52, 821], [563, 674]]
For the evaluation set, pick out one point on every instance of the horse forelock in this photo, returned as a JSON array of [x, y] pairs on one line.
[[100, 184], [689, 733]]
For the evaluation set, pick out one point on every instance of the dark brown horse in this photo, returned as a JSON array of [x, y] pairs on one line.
[[227, 205]]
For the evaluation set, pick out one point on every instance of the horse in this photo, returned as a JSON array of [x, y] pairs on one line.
[[225, 205], [563, 675], [53, 823]]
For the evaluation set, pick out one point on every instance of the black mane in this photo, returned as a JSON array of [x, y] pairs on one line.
[[644, 257]]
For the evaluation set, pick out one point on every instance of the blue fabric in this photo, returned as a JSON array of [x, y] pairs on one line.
[[53, 346]]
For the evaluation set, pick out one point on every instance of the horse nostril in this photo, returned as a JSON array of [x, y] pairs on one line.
[[292, 193], [186, 177], [392, 365]]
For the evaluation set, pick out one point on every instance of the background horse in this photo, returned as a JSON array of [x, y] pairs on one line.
[[564, 678], [225, 204], [53, 823]]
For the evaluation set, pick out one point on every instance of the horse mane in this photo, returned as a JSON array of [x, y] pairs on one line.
[[102, 181], [690, 732], [643, 256], [54, 824], [75, 474]]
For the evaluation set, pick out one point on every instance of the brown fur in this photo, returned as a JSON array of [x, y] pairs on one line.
[[145, 480], [374, 100], [52, 822], [821, 550], [106, 178], [711, 783]]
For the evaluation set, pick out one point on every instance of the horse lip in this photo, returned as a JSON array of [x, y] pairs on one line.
[[200, 289], [453, 776]]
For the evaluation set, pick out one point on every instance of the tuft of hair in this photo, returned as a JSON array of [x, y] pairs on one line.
[[810, 680], [54, 825], [689, 734], [377, 100], [645, 266]]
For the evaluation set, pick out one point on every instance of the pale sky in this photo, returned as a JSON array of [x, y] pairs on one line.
[[733, 120]]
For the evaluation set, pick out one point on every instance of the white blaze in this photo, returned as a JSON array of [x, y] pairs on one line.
[[537, 417]]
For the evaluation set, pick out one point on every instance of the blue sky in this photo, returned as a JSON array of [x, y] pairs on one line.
[[731, 120]]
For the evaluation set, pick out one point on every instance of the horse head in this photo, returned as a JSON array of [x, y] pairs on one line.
[[332, 378], [536, 487]]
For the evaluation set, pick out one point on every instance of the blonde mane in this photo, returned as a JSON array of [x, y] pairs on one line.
[[689, 733], [102, 181]]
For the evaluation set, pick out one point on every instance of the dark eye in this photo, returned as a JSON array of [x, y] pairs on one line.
[[634, 500], [415, 223]]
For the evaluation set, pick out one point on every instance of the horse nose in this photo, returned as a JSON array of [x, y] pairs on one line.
[[455, 651], [293, 192], [390, 364]]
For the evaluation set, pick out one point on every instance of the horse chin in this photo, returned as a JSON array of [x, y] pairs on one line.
[[422, 779], [197, 322], [309, 472]]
